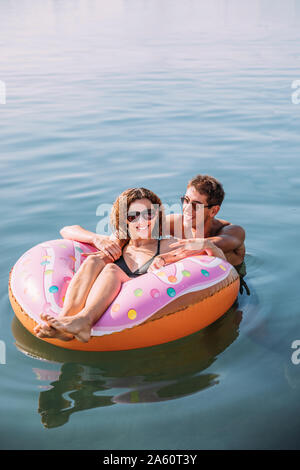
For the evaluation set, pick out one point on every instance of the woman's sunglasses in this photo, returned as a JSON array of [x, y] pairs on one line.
[[147, 214]]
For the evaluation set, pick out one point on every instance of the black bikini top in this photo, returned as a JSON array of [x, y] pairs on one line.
[[138, 272]]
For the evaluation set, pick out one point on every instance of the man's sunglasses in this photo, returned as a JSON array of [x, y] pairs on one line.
[[147, 214], [194, 204]]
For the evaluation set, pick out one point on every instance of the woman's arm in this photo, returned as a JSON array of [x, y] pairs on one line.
[[78, 233], [110, 246]]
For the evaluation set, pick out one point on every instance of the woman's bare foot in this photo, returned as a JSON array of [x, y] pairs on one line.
[[76, 325], [46, 331]]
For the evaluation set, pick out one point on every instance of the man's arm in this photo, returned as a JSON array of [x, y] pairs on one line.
[[185, 248], [230, 238]]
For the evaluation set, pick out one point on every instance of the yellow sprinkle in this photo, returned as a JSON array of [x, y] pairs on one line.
[[161, 273], [49, 271], [132, 314], [222, 267]]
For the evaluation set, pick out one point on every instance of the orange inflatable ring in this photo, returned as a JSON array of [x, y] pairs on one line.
[[155, 308]]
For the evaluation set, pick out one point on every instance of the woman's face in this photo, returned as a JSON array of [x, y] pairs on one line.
[[141, 218]]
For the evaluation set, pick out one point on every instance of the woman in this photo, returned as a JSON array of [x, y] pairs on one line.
[[138, 218]]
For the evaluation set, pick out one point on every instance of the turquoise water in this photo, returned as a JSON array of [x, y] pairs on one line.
[[101, 97]]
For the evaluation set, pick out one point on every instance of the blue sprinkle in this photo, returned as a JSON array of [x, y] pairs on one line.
[[53, 289], [171, 292], [205, 273]]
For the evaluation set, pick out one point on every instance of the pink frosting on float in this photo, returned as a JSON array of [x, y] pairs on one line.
[[40, 278]]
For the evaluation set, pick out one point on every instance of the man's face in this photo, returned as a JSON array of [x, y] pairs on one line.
[[194, 211]]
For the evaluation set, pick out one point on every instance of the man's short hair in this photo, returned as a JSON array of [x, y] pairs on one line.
[[210, 187]]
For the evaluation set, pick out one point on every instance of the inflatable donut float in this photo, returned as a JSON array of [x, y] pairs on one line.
[[154, 308]]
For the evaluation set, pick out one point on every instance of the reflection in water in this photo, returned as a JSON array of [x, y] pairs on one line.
[[161, 373], [164, 391], [71, 393]]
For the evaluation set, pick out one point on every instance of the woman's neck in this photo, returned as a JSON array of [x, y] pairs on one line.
[[143, 242]]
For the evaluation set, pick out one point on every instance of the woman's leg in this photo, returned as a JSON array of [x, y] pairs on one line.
[[77, 291], [103, 292], [81, 284]]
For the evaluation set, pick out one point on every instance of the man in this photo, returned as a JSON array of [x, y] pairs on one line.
[[199, 228]]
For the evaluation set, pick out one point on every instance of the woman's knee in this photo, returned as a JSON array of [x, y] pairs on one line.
[[92, 263], [115, 271], [112, 268]]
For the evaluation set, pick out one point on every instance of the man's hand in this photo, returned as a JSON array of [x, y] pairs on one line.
[[159, 261], [109, 247], [184, 249], [196, 246]]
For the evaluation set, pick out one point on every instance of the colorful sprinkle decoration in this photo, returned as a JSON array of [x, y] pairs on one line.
[[138, 292], [132, 314], [49, 271], [171, 292], [172, 278], [53, 289], [186, 273], [204, 272], [154, 293], [115, 308]]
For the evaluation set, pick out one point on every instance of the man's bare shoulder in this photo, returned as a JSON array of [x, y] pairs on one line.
[[227, 228]]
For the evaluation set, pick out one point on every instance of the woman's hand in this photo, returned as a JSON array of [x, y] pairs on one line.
[[100, 255], [109, 247]]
